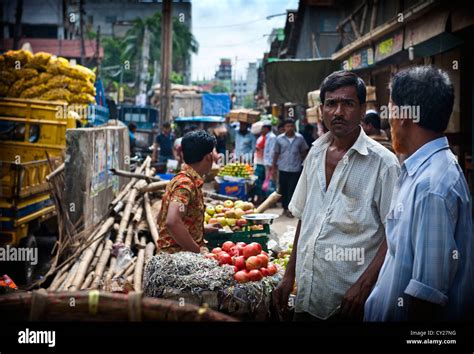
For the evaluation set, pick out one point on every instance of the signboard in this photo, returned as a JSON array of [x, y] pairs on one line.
[[99, 174], [389, 46], [359, 60]]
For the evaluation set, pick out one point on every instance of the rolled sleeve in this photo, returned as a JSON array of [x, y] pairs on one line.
[[425, 292], [298, 201], [435, 263]]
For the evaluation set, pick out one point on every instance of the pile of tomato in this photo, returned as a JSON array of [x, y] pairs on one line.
[[250, 262]]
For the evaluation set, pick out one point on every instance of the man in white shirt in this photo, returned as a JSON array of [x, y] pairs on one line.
[[341, 199]]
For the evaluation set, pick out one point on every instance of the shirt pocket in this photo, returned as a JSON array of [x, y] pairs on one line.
[[351, 215]]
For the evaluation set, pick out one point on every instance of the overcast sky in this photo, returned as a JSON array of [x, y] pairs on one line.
[[233, 28]]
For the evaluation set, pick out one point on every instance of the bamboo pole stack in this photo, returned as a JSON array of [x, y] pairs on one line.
[[113, 256]]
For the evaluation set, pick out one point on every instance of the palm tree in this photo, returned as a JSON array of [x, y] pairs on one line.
[[184, 43]]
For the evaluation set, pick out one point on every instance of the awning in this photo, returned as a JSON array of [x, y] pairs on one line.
[[209, 119], [291, 80]]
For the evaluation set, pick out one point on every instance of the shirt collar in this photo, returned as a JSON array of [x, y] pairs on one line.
[[360, 144], [424, 153], [188, 170]]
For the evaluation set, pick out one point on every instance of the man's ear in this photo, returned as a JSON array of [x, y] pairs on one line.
[[363, 109]]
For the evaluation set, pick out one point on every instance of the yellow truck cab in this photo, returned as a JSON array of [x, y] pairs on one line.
[[30, 131]]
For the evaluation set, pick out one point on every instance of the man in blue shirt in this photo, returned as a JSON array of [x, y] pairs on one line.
[[428, 272], [164, 143], [245, 142]]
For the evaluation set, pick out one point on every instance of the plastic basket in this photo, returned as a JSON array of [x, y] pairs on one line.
[[260, 236]]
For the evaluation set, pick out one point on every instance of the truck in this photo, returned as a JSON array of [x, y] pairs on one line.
[[31, 131]]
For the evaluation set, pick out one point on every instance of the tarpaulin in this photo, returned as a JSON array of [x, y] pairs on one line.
[[215, 104], [291, 80]]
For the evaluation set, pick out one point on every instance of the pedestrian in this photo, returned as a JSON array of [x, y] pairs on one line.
[[308, 134], [132, 129], [181, 218], [372, 127], [244, 142], [428, 273], [341, 200], [164, 143], [259, 171], [177, 151], [289, 152], [268, 153]]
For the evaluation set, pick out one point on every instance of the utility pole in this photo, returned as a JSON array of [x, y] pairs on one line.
[[17, 30], [97, 51], [142, 88], [166, 62], [81, 30]]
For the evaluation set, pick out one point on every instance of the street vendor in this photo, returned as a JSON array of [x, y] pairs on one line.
[[181, 218]]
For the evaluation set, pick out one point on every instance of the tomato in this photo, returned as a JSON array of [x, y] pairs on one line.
[[272, 269], [217, 250], [211, 255], [236, 269], [263, 260], [224, 258], [255, 275], [259, 246], [251, 250], [264, 272], [252, 263], [241, 244], [239, 262], [241, 277], [265, 253], [236, 251], [227, 246]]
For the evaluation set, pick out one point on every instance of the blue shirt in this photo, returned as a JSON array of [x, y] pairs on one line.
[[430, 241], [291, 152], [166, 144], [244, 144]]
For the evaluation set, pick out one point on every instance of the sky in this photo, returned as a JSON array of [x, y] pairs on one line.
[[234, 29]]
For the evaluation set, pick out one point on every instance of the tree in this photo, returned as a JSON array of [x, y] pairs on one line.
[[219, 89]]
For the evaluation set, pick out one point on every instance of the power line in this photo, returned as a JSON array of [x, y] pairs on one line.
[[233, 44], [232, 25]]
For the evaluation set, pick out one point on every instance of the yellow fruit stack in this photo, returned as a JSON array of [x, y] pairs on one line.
[[45, 77]]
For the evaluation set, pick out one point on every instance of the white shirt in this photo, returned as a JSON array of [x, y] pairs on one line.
[[348, 217], [268, 152]]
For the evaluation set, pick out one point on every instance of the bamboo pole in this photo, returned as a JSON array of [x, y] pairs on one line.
[[88, 281], [138, 275], [150, 219], [134, 175], [101, 264], [132, 182], [128, 238], [271, 200], [149, 250], [126, 215], [55, 172], [154, 186], [89, 254]]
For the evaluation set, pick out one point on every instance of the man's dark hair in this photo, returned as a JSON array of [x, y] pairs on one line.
[[166, 125], [373, 119], [197, 144], [340, 79], [289, 121], [132, 126], [428, 88]]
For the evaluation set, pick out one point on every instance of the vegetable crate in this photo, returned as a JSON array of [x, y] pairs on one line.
[[248, 236]]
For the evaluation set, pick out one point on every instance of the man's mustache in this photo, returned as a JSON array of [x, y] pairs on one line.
[[338, 120]]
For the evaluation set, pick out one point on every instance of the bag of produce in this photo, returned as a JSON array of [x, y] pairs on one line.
[[7, 77], [39, 61], [26, 73], [56, 94], [15, 57], [44, 78], [34, 91], [80, 86], [57, 66], [58, 81], [19, 86]]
